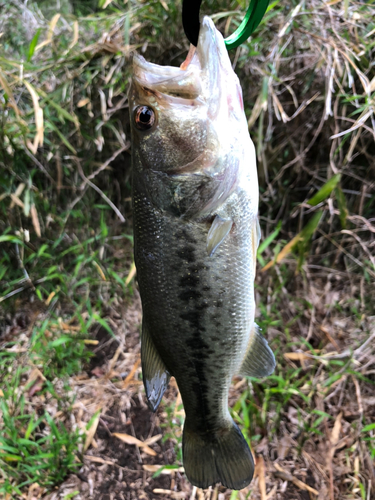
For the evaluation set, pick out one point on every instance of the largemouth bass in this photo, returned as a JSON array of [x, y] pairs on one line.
[[195, 203]]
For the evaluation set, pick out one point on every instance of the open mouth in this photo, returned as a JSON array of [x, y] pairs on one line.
[[168, 80], [200, 69]]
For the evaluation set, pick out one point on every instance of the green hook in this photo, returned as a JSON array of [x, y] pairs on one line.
[[253, 16]]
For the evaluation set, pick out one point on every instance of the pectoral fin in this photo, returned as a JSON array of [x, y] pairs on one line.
[[259, 360], [155, 375], [216, 235]]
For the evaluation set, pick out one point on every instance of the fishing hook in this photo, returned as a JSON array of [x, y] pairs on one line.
[[253, 16]]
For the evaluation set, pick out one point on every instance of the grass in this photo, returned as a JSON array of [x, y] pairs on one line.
[[66, 277], [34, 447]]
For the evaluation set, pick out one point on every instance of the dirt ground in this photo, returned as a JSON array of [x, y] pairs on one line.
[[114, 469], [126, 443]]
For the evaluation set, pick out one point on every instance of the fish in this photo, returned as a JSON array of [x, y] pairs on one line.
[[196, 232]]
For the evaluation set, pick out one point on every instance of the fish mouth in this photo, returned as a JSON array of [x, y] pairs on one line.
[[168, 80], [197, 78]]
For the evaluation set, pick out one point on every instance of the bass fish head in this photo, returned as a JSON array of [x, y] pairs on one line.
[[188, 123]]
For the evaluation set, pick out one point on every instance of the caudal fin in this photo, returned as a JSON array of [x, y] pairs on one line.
[[221, 457]]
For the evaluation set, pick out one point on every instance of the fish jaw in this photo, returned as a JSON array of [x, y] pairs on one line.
[[221, 88]]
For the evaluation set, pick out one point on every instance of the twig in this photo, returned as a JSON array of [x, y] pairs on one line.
[[365, 249], [105, 197], [348, 254], [106, 163], [136, 446], [193, 493], [283, 474], [39, 165], [358, 394], [70, 208], [14, 292], [346, 354], [215, 493], [22, 288], [20, 263], [301, 155]]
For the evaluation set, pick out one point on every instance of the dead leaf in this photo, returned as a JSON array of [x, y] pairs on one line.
[[155, 468], [284, 252], [7, 90], [153, 439], [259, 471], [100, 270], [36, 387], [128, 439], [35, 382], [297, 356], [131, 274], [131, 374], [91, 432], [39, 123], [335, 434], [165, 5], [35, 220], [330, 338], [287, 476], [83, 102], [106, 3], [16, 196], [16, 201], [49, 298], [98, 372], [67, 327], [113, 361], [272, 492], [284, 445], [334, 439], [75, 35], [99, 460], [51, 29], [170, 493]]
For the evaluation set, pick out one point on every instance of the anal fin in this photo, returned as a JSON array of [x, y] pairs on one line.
[[155, 374], [259, 360], [217, 233]]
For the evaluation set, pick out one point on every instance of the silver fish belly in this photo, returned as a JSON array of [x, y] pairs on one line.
[[195, 203]]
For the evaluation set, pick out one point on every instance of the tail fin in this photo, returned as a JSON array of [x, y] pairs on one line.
[[221, 457]]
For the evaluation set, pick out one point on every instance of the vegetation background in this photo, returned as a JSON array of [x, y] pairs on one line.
[[73, 419]]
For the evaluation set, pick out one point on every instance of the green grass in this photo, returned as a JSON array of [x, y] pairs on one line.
[[34, 448]]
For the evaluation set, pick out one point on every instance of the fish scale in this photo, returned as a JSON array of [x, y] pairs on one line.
[[179, 308], [174, 288], [195, 242]]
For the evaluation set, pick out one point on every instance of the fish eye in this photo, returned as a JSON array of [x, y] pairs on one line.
[[144, 117]]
